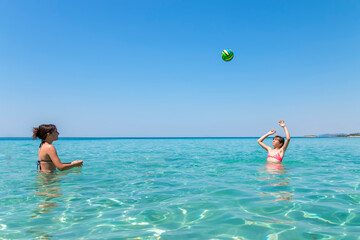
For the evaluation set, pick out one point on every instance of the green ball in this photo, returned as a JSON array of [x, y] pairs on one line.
[[227, 55]]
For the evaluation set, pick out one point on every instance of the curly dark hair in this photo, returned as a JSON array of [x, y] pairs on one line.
[[42, 131]]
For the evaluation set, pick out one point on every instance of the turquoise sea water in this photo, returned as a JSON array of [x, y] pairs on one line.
[[182, 189]]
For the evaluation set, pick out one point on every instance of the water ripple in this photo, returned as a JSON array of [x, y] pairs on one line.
[[182, 189]]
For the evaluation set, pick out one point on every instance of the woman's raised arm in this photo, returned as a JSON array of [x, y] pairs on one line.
[[287, 141], [260, 140]]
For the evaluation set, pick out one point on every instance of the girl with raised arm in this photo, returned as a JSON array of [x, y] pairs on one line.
[[276, 154], [48, 158]]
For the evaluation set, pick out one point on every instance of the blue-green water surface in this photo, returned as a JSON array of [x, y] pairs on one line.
[[182, 189]]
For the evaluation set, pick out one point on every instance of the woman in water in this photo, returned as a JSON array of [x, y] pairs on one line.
[[48, 158], [276, 154]]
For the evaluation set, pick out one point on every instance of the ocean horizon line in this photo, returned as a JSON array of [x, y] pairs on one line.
[[85, 138]]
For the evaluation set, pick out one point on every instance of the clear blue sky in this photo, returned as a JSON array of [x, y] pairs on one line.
[[154, 68]]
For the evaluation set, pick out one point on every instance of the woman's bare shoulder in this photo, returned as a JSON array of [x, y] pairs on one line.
[[48, 147]]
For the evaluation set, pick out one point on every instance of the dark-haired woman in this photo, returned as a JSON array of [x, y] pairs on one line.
[[276, 154], [48, 158]]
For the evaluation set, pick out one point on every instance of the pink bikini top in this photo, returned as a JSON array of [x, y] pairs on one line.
[[276, 156]]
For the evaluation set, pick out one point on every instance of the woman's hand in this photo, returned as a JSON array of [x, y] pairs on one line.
[[78, 163], [281, 123], [271, 132]]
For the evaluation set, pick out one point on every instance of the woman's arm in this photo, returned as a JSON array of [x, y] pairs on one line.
[[58, 164], [260, 140], [287, 141]]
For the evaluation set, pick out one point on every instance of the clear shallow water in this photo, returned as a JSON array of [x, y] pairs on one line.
[[182, 189]]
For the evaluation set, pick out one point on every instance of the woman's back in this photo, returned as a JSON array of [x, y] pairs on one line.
[[45, 162]]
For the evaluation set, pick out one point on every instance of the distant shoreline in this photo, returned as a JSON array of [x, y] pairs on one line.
[[337, 135]]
